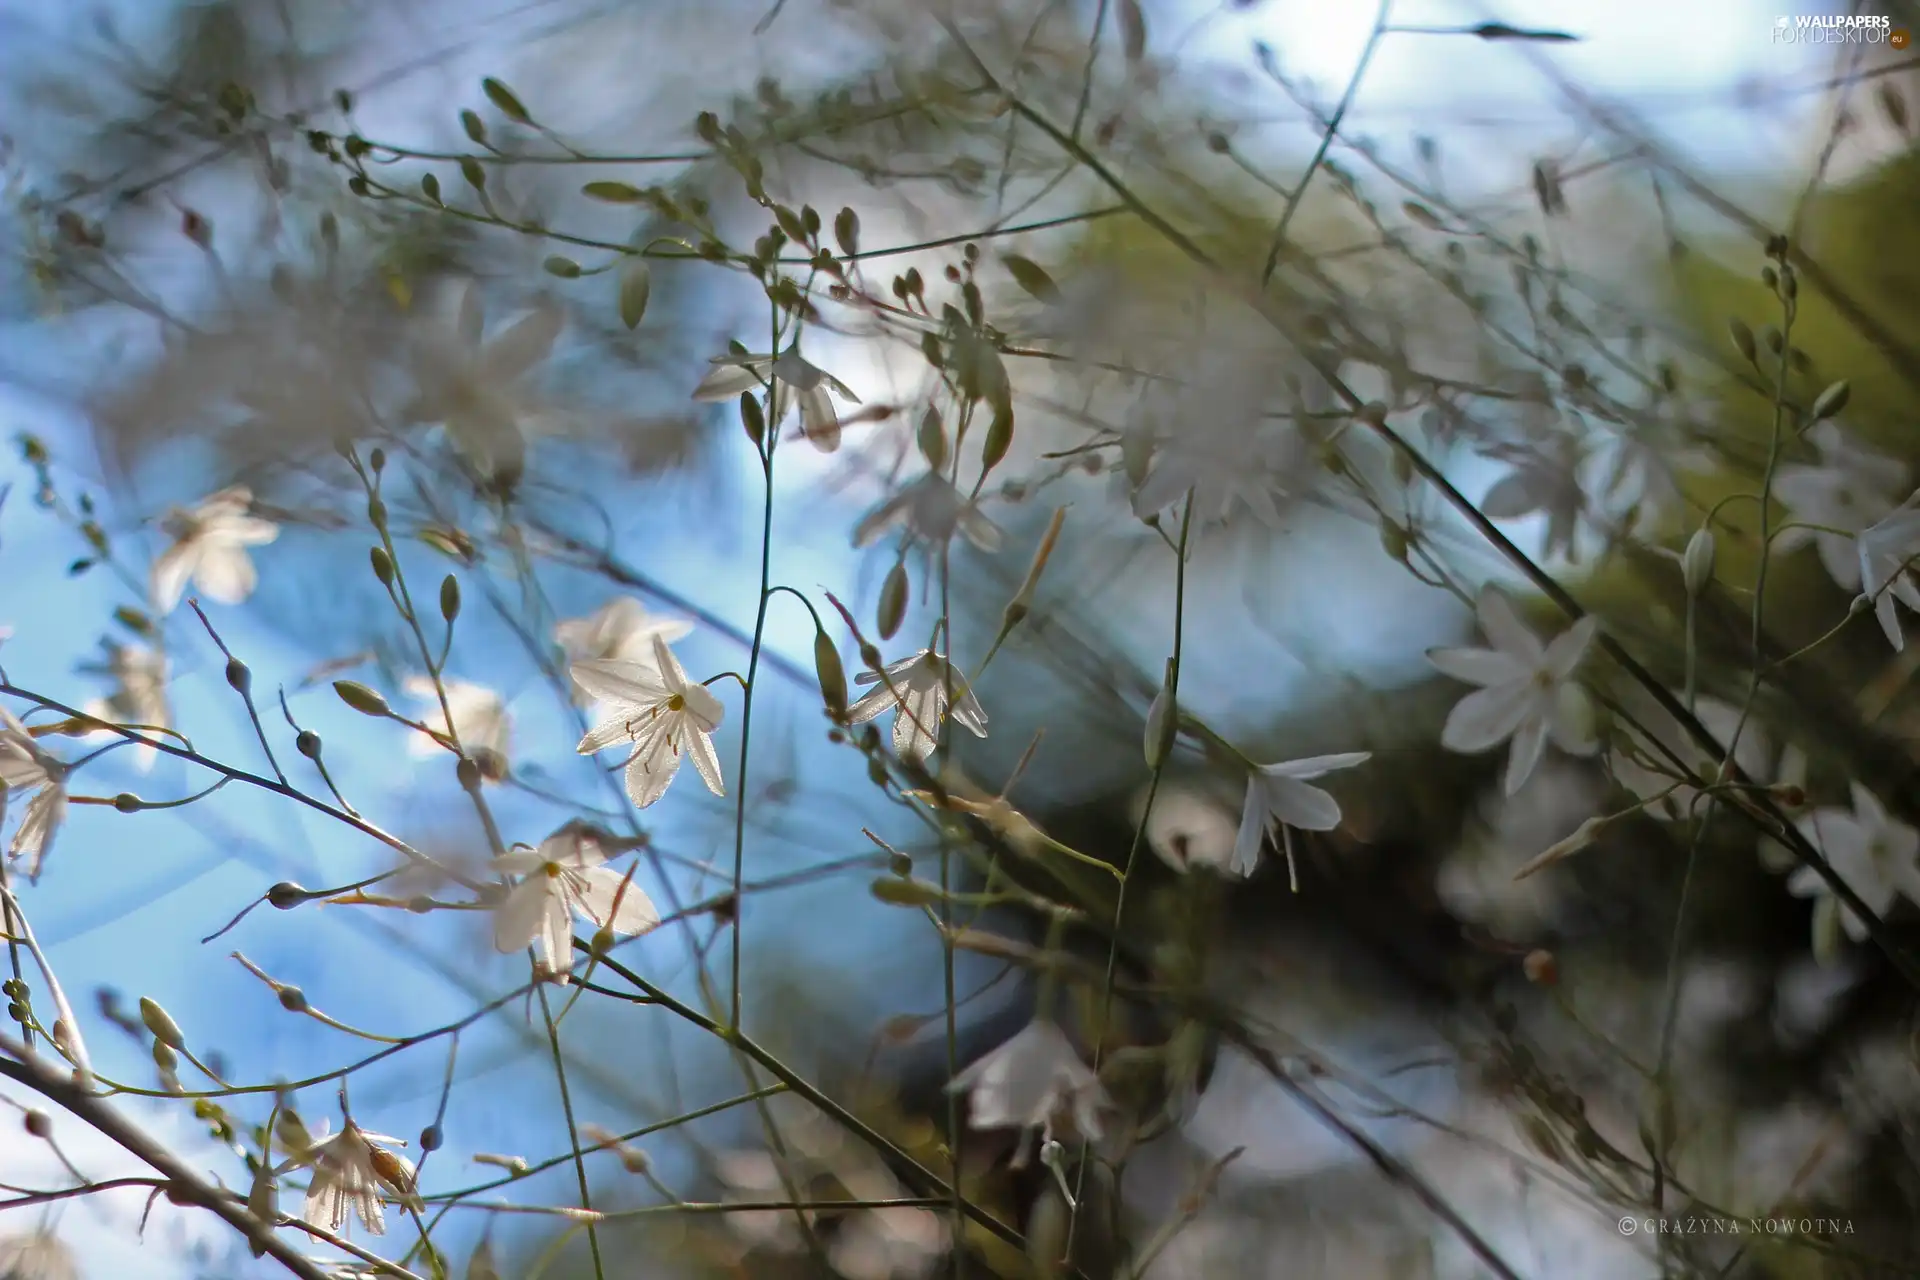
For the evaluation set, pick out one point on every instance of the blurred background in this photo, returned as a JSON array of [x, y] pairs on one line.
[[240, 233]]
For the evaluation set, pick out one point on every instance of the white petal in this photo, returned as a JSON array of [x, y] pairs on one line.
[[170, 574], [726, 382], [518, 919], [1504, 628], [598, 888], [1252, 832], [1298, 805], [1315, 766], [1570, 646], [699, 749], [226, 575], [1529, 741], [1476, 666], [1486, 718], [613, 680]]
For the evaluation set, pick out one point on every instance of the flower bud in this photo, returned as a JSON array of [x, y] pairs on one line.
[[164, 1029], [892, 610], [286, 895], [896, 892], [239, 677], [293, 1000], [361, 698], [168, 1061], [39, 1124], [432, 1137], [1696, 565], [449, 597], [1742, 336], [382, 565], [832, 676], [127, 802], [307, 743], [1163, 722], [1830, 402]]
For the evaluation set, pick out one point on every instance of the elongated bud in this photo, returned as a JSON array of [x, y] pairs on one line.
[[896, 892], [1831, 401], [752, 418], [932, 439], [263, 1200], [165, 1029], [999, 433], [361, 698], [1163, 721], [382, 565], [833, 676], [238, 676], [893, 601], [127, 802], [846, 232], [1586, 834], [449, 597], [1696, 566], [1022, 602], [1742, 336], [636, 287]]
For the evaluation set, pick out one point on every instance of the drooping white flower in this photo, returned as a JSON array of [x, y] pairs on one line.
[[563, 878], [1753, 755], [480, 723], [931, 511], [1544, 480], [349, 1170], [210, 544], [661, 713], [915, 689], [1030, 1082], [1849, 490], [1526, 692], [28, 769], [1877, 856], [1279, 797], [1188, 828], [139, 696], [794, 378], [1887, 551], [621, 629], [473, 387]]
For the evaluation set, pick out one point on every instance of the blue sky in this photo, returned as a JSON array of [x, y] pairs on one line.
[[125, 895]]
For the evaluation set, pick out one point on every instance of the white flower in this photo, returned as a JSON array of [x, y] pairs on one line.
[[916, 689], [1544, 481], [139, 696], [1188, 828], [1278, 797], [731, 376], [1029, 1082], [472, 387], [1526, 690], [1848, 491], [349, 1170], [210, 547], [563, 878], [662, 713], [1226, 463], [480, 723], [1753, 755], [932, 511], [894, 1243], [621, 629], [1876, 855], [26, 768], [1886, 551]]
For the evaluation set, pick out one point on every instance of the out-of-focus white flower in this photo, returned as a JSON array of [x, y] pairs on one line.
[[1030, 1082], [1279, 797], [349, 1170], [480, 723], [1526, 694], [932, 511], [897, 1243], [794, 378], [1849, 490], [37, 1255], [1544, 481], [26, 768], [1188, 828], [210, 544], [916, 689], [1876, 855], [620, 630], [139, 696], [563, 878], [1887, 550], [1476, 881], [473, 387], [658, 710], [1753, 755], [1226, 463]]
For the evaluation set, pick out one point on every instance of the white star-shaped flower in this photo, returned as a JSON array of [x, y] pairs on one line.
[[661, 713], [210, 544], [562, 879], [1887, 551], [139, 696], [1032, 1081], [932, 511], [793, 378], [1877, 855], [1526, 692], [916, 689], [350, 1168], [1850, 490], [480, 723], [1544, 480], [1278, 799], [621, 629], [26, 768], [473, 387]]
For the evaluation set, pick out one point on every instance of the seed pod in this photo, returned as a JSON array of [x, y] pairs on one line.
[[127, 802], [846, 232], [293, 999], [286, 895], [1831, 401], [896, 892], [503, 98], [1742, 336], [932, 439], [238, 676], [893, 601], [636, 287], [832, 675], [307, 743], [361, 698], [450, 597], [999, 433], [432, 1137]]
